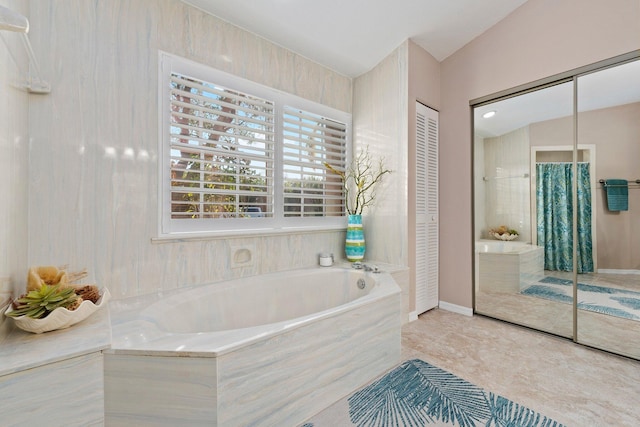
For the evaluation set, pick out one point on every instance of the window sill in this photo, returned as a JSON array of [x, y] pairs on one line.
[[228, 234]]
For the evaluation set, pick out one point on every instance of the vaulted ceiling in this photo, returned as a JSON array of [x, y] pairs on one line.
[[352, 36]]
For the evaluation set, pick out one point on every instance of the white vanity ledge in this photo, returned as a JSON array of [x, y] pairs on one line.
[[22, 350]]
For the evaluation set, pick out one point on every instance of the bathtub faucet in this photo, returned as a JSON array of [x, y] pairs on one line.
[[360, 266]]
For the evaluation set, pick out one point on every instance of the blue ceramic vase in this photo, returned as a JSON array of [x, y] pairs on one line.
[[354, 246]]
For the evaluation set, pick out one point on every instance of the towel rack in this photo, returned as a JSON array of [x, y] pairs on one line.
[[604, 183]]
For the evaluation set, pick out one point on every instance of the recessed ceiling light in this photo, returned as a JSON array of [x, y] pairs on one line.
[[489, 114]]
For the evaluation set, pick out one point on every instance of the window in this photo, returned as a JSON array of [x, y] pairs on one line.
[[241, 156], [310, 140]]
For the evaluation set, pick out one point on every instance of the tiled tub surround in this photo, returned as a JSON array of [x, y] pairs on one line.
[[504, 266], [267, 350], [106, 144], [56, 378]]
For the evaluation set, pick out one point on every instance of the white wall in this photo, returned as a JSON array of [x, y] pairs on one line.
[[14, 145], [539, 39], [93, 159]]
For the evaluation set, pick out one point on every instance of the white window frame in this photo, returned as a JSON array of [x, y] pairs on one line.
[[174, 228]]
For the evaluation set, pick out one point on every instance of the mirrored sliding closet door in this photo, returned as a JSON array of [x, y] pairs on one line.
[[557, 205], [608, 124], [523, 152]]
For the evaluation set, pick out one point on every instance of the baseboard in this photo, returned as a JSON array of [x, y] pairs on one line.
[[617, 271], [455, 308], [413, 316]]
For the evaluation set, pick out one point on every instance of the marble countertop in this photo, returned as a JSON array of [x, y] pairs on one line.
[[21, 350]]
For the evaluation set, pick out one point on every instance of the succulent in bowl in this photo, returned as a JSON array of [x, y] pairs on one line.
[[39, 303]]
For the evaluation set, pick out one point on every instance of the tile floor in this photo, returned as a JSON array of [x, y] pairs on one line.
[[571, 383]]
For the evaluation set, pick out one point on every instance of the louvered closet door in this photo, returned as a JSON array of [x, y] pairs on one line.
[[426, 208]]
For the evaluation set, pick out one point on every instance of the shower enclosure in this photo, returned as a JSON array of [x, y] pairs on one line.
[[556, 164]]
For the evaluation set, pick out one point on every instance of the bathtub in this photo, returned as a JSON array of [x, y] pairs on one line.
[[507, 267], [266, 350]]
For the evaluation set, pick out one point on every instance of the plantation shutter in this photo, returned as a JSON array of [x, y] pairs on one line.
[[238, 156], [426, 208], [310, 141], [221, 152]]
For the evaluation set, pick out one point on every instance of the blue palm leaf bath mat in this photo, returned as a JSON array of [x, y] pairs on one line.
[[598, 299], [417, 394]]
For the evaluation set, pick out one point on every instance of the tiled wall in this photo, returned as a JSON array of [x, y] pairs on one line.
[[507, 183], [380, 121], [14, 146], [93, 159]]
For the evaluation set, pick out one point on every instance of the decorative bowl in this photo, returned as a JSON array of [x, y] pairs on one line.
[[59, 318], [505, 236]]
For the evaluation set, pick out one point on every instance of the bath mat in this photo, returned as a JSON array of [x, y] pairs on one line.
[[598, 299], [416, 394]]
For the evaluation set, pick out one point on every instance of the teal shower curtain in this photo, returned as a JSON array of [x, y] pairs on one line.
[[554, 207]]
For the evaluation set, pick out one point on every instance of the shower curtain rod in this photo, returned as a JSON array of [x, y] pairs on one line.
[[488, 178], [558, 163]]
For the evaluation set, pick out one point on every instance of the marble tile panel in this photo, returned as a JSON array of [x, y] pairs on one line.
[[507, 189], [14, 158], [380, 117], [147, 390], [285, 380], [499, 272], [98, 208], [65, 393], [22, 350], [401, 277]]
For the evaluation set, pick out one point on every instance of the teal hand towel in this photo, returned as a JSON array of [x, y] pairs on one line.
[[617, 194]]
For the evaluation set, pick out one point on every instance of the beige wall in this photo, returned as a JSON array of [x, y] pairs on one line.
[[539, 39], [615, 132]]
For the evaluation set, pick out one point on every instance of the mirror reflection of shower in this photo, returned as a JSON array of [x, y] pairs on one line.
[[505, 199], [557, 207], [608, 298]]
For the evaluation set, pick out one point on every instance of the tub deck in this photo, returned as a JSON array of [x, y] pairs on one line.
[[507, 267], [275, 374], [136, 330]]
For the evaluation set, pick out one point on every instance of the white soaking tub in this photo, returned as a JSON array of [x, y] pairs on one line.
[[507, 266], [265, 350]]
